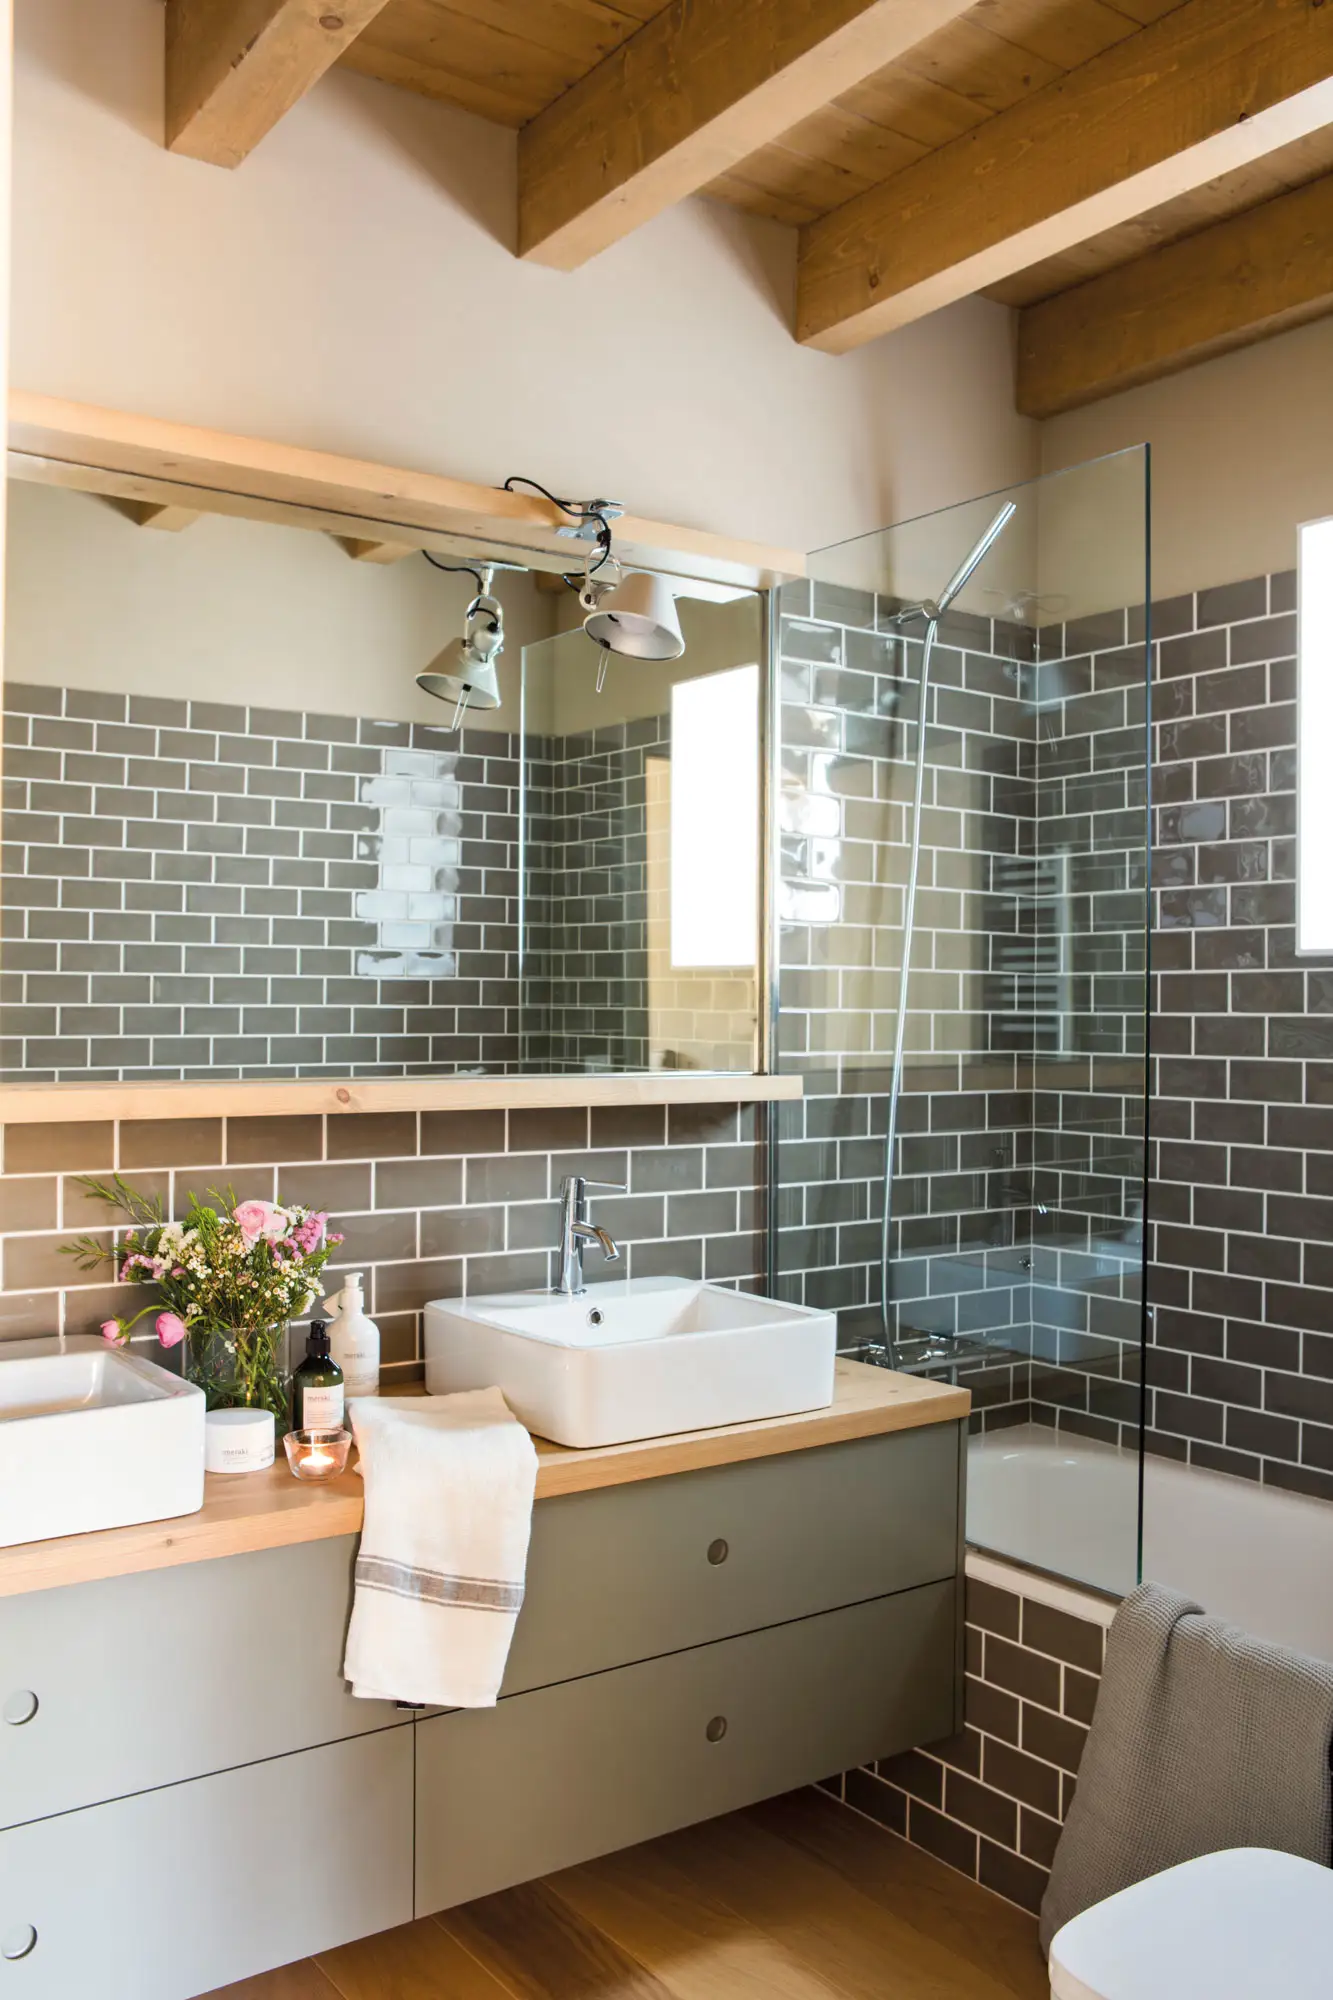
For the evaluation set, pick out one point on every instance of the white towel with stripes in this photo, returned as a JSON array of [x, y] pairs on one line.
[[449, 1485]]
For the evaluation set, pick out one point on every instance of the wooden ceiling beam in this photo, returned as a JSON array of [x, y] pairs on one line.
[[697, 89], [1236, 282], [235, 67], [1207, 89]]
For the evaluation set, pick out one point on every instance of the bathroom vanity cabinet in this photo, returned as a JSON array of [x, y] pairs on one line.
[[189, 1794]]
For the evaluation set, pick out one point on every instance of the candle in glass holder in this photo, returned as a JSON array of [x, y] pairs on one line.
[[317, 1454]]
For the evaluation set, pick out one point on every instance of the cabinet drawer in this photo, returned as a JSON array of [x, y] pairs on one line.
[[632, 1571], [183, 1890], [145, 1680], [548, 1779]]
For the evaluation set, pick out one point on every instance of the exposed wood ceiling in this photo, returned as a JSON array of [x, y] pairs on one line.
[[1289, 167], [1262, 271], [782, 108], [506, 60], [1000, 52]]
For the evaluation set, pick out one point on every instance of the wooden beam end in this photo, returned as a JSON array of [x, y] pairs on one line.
[[1239, 281], [236, 67]]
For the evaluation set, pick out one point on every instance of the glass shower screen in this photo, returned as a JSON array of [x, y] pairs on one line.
[[1014, 1254]]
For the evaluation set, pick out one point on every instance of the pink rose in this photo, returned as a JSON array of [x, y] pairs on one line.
[[260, 1218], [170, 1329], [111, 1330]]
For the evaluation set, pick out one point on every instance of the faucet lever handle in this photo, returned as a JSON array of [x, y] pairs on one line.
[[577, 1182]]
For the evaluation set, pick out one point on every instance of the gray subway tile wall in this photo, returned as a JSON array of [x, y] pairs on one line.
[[849, 688], [1240, 1371], [433, 1204], [196, 889], [600, 990], [1241, 1367], [171, 920], [991, 1801], [585, 984], [1018, 1185]]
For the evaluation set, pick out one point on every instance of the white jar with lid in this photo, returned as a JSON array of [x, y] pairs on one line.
[[238, 1440]]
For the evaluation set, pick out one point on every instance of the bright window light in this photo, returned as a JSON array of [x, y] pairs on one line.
[[715, 819], [1314, 740]]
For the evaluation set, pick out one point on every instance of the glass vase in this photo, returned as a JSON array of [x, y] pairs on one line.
[[242, 1367]]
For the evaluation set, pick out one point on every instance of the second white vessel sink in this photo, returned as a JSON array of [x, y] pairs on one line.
[[93, 1436], [640, 1358]]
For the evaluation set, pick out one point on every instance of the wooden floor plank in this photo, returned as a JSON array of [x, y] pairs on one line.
[[797, 1899], [543, 1950], [302, 1981], [978, 1928], [680, 1931], [415, 1962], [867, 1951]]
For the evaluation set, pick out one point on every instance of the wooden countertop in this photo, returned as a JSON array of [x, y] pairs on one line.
[[268, 1510]]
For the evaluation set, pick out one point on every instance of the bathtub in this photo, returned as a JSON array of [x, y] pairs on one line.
[[1069, 1506]]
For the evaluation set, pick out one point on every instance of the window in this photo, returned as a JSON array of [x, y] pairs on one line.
[[1314, 740], [715, 819]]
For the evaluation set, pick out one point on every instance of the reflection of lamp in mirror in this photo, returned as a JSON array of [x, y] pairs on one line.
[[464, 672]]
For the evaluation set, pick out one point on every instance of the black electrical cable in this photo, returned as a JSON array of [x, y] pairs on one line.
[[574, 507], [580, 512], [456, 569]]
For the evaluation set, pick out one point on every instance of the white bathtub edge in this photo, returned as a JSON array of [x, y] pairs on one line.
[[1021, 1582]]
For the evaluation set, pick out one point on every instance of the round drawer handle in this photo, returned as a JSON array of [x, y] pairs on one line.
[[718, 1551], [716, 1729], [20, 1707], [18, 1942]]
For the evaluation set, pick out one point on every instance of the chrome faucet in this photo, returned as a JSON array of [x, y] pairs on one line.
[[576, 1230]]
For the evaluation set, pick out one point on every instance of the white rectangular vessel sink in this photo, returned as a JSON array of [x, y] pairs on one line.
[[93, 1437], [641, 1358]]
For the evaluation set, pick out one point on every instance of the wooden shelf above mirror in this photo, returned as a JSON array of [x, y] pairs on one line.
[[148, 462], [59, 1103]]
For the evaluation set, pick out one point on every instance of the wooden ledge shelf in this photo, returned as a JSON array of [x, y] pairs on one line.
[[61, 1103], [147, 461], [269, 1510]]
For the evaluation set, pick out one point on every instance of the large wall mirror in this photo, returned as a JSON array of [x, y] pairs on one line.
[[241, 842]]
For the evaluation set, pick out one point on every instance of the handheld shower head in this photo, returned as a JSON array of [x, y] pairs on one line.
[[975, 555]]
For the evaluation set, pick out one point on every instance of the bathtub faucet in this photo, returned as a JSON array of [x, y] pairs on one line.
[[1014, 1195]]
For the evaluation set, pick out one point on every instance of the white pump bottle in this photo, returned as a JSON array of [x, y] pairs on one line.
[[354, 1340]]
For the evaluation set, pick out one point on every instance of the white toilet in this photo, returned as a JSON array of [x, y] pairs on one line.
[[1245, 1924]]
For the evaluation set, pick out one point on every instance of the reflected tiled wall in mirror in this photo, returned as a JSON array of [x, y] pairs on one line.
[[239, 841]]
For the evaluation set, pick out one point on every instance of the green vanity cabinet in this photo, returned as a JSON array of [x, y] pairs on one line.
[[189, 1795], [571, 1771], [625, 1573], [145, 1680], [177, 1891]]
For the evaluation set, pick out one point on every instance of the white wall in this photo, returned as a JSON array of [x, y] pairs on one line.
[[350, 287], [1242, 450]]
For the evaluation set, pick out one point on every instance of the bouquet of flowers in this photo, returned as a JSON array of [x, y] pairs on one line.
[[227, 1281]]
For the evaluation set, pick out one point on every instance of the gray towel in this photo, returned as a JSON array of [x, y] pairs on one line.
[[1203, 1738]]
